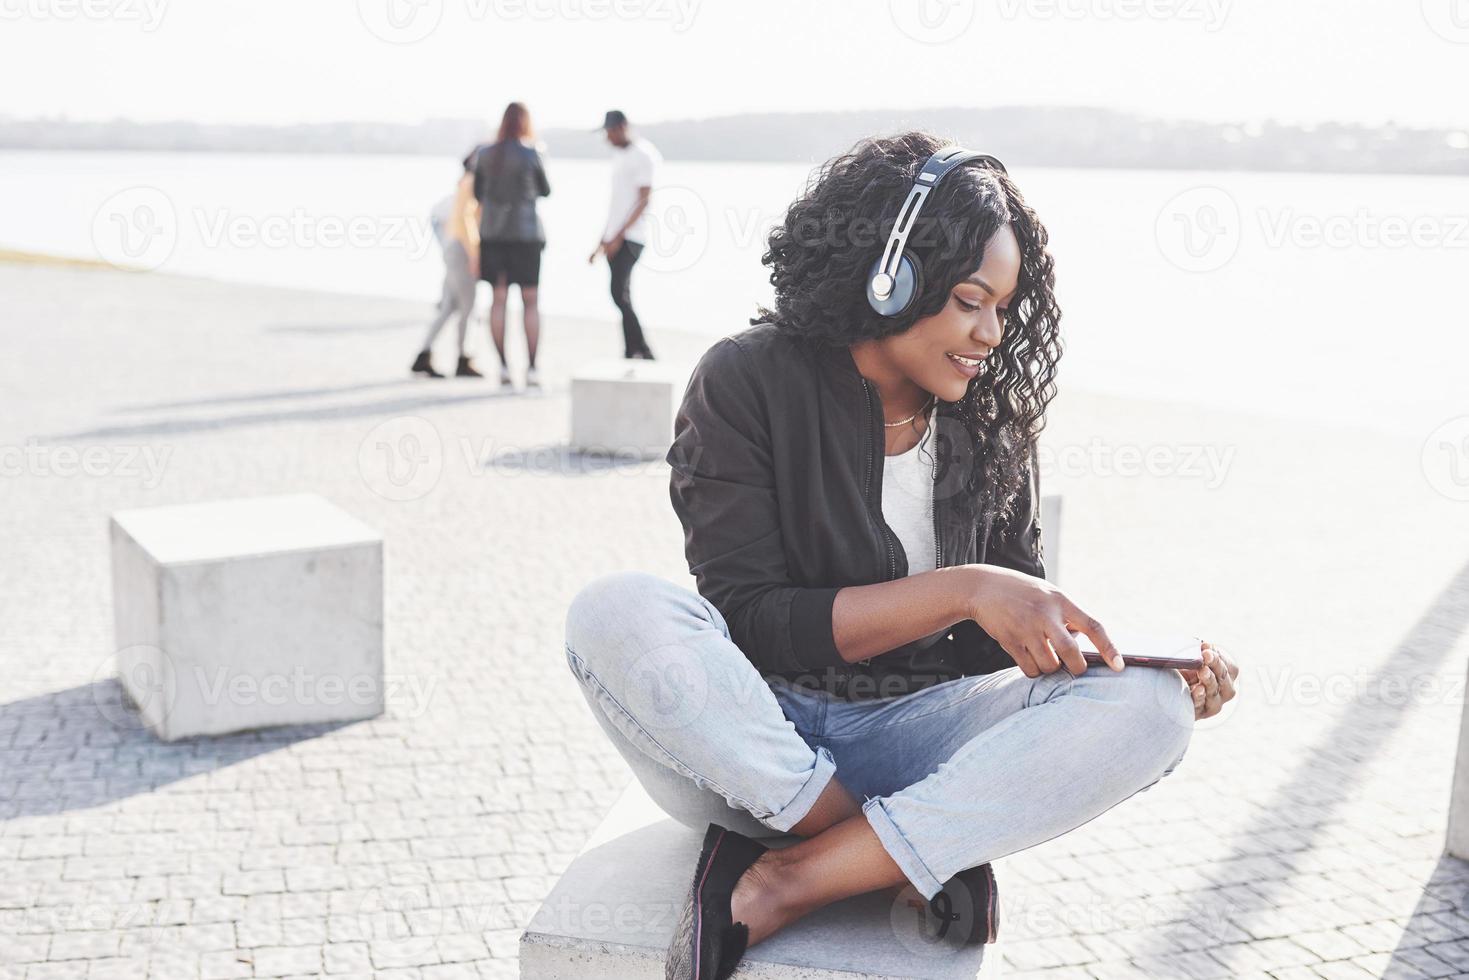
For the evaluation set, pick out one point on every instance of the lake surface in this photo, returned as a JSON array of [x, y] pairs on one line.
[[1309, 295]]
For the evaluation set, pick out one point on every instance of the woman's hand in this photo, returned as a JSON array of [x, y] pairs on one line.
[[1212, 684], [1034, 621]]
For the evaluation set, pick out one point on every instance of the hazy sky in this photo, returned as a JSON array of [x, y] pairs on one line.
[[282, 61]]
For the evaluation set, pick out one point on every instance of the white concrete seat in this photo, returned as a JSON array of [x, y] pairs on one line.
[[242, 614], [1051, 536], [625, 407], [613, 912]]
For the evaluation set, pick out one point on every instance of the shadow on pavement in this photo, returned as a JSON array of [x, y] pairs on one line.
[[265, 396], [1435, 941], [86, 746], [388, 407], [1327, 773]]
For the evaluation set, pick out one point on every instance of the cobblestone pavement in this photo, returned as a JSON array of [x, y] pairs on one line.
[[1301, 837]]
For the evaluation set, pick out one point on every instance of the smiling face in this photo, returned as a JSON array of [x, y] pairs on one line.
[[941, 353]]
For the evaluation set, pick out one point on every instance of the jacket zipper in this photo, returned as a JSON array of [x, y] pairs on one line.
[[938, 544]]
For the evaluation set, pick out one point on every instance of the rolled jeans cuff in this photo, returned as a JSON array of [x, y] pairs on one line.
[[899, 849], [800, 805]]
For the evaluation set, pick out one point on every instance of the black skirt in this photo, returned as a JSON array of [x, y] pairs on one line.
[[516, 263]]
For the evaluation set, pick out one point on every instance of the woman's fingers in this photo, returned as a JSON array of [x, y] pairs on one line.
[[1067, 651], [1044, 657], [1225, 671], [1085, 623], [1022, 660], [1213, 699]]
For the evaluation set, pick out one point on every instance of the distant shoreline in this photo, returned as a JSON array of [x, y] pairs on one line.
[[1076, 137], [1138, 167]]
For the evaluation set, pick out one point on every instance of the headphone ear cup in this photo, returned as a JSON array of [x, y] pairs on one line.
[[907, 284]]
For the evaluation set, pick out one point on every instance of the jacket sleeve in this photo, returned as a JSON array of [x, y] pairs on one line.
[[1017, 545], [543, 186], [724, 491]]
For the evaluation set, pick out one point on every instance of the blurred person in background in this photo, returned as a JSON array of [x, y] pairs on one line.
[[634, 162], [449, 220], [508, 176]]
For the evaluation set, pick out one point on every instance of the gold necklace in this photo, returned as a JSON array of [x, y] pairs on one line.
[[921, 410]]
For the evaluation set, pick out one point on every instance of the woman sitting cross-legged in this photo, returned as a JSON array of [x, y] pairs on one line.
[[874, 661]]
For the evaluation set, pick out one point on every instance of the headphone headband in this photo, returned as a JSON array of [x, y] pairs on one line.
[[885, 287]]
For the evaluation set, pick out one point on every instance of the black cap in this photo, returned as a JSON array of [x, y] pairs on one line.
[[614, 117]]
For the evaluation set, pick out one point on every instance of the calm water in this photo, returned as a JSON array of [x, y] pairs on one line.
[[1309, 295]]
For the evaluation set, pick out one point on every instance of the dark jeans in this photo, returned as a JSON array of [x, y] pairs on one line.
[[632, 331]]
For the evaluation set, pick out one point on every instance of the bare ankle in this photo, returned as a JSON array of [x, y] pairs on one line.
[[761, 897]]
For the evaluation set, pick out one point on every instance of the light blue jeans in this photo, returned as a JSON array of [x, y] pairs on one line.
[[952, 776]]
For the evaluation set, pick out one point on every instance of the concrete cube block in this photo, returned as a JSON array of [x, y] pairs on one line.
[[1051, 536], [625, 407], [1457, 841], [241, 614]]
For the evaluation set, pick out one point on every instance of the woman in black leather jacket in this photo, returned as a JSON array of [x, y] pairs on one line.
[[509, 175], [874, 660]]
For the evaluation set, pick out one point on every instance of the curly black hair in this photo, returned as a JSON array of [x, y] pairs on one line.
[[821, 255]]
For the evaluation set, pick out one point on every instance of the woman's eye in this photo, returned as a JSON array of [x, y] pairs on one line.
[[966, 307]]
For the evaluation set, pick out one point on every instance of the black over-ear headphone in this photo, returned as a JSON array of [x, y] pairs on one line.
[[896, 279]]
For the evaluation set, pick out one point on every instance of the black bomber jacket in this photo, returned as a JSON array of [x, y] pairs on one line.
[[777, 461]]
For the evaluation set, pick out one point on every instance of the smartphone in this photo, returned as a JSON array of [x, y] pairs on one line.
[[1175, 650]]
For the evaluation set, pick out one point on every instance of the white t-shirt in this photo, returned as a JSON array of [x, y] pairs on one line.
[[907, 501], [633, 167]]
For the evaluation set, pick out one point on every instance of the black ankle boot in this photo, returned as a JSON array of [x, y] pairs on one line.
[[423, 365], [466, 369], [970, 903], [706, 942]]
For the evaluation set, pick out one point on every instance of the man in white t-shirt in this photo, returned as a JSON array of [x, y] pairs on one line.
[[634, 162]]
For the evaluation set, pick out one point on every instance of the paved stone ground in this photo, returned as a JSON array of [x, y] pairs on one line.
[[1302, 836]]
